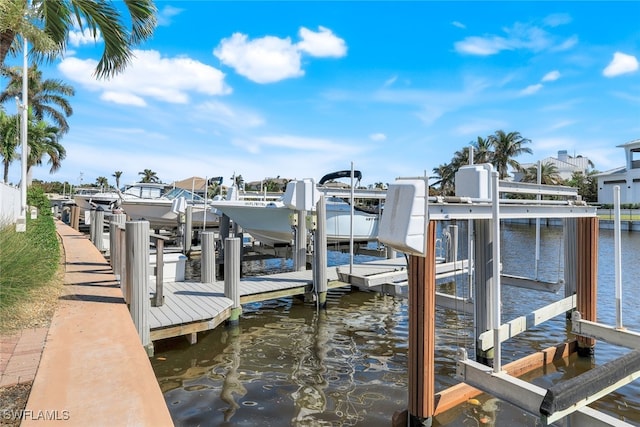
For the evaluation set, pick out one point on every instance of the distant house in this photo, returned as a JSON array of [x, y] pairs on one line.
[[627, 177], [564, 163]]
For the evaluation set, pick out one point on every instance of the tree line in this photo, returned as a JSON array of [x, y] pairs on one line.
[[500, 150], [46, 26]]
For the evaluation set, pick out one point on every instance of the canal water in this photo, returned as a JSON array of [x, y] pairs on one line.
[[289, 364]]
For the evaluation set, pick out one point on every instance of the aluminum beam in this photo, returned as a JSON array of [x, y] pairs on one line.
[[521, 324], [621, 337], [449, 211], [524, 395], [528, 283]]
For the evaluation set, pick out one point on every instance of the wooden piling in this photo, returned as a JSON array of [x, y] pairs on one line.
[[587, 277], [208, 257], [92, 226], [114, 254], [320, 253], [137, 249], [75, 217], [98, 229], [300, 248], [422, 337], [122, 254], [188, 229], [158, 298], [232, 260]]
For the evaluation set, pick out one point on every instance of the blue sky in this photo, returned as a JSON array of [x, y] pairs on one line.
[[300, 89]]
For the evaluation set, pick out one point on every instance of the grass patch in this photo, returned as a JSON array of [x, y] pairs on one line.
[[29, 283]]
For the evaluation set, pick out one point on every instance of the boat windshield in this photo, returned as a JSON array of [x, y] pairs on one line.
[[181, 192]]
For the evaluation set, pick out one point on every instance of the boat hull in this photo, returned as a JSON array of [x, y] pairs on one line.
[[271, 223], [159, 214]]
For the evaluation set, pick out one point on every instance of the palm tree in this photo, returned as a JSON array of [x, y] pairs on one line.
[[102, 182], [45, 97], [48, 23], [483, 152], [15, 19], [506, 146], [548, 173], [117, 175], [9, 140], [43, 141], [148, 176], [445, 174]]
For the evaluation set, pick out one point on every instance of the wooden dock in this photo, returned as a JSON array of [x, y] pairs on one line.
[[190, 307]]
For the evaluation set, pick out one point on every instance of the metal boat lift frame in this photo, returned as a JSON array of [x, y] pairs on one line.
[[556, 404]]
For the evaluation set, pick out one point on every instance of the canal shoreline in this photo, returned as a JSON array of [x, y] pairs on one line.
[[604, 224]]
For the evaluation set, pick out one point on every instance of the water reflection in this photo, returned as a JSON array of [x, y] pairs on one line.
[[288, 364]]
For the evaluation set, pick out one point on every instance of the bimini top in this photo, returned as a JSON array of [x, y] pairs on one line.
[[340, 174]]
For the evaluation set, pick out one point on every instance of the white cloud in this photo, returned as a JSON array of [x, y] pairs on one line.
[[270, 59], [557, 19], [264, 60], [390, 81], [519, 36], [149, 76], [551, 76], [82, 34], [165, 15], [621, 64], [531, 89], [230, 117], [123, 98], [378, 137], [482, 46], [323, 43], [458, 24]]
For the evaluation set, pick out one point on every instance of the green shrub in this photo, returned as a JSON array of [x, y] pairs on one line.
[[27, 260], [37, 198]]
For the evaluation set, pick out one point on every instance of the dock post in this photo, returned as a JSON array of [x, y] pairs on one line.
[[232, 276], [158, 298], [92, 226], [483, 264], [138, 278], [452, 247], [75, 218], [570, 258], [208, 257], [225, 225], [188, 229], [422, 335], [98, 229], [587, 277], [114, 254], [320, 253], [301, 242], [122, 255]]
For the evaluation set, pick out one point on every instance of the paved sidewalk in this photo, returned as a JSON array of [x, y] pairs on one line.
[[20, 355], [94, 370]]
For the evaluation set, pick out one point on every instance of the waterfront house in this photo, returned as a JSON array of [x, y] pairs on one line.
[[627, 177], [565, 164]]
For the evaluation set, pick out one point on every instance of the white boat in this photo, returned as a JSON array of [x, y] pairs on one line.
[[94, 198], [162, 212], [271, 221]]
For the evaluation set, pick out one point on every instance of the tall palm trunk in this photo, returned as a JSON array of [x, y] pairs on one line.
[[6, 39]]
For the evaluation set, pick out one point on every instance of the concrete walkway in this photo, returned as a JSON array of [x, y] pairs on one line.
[[94, 370]]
